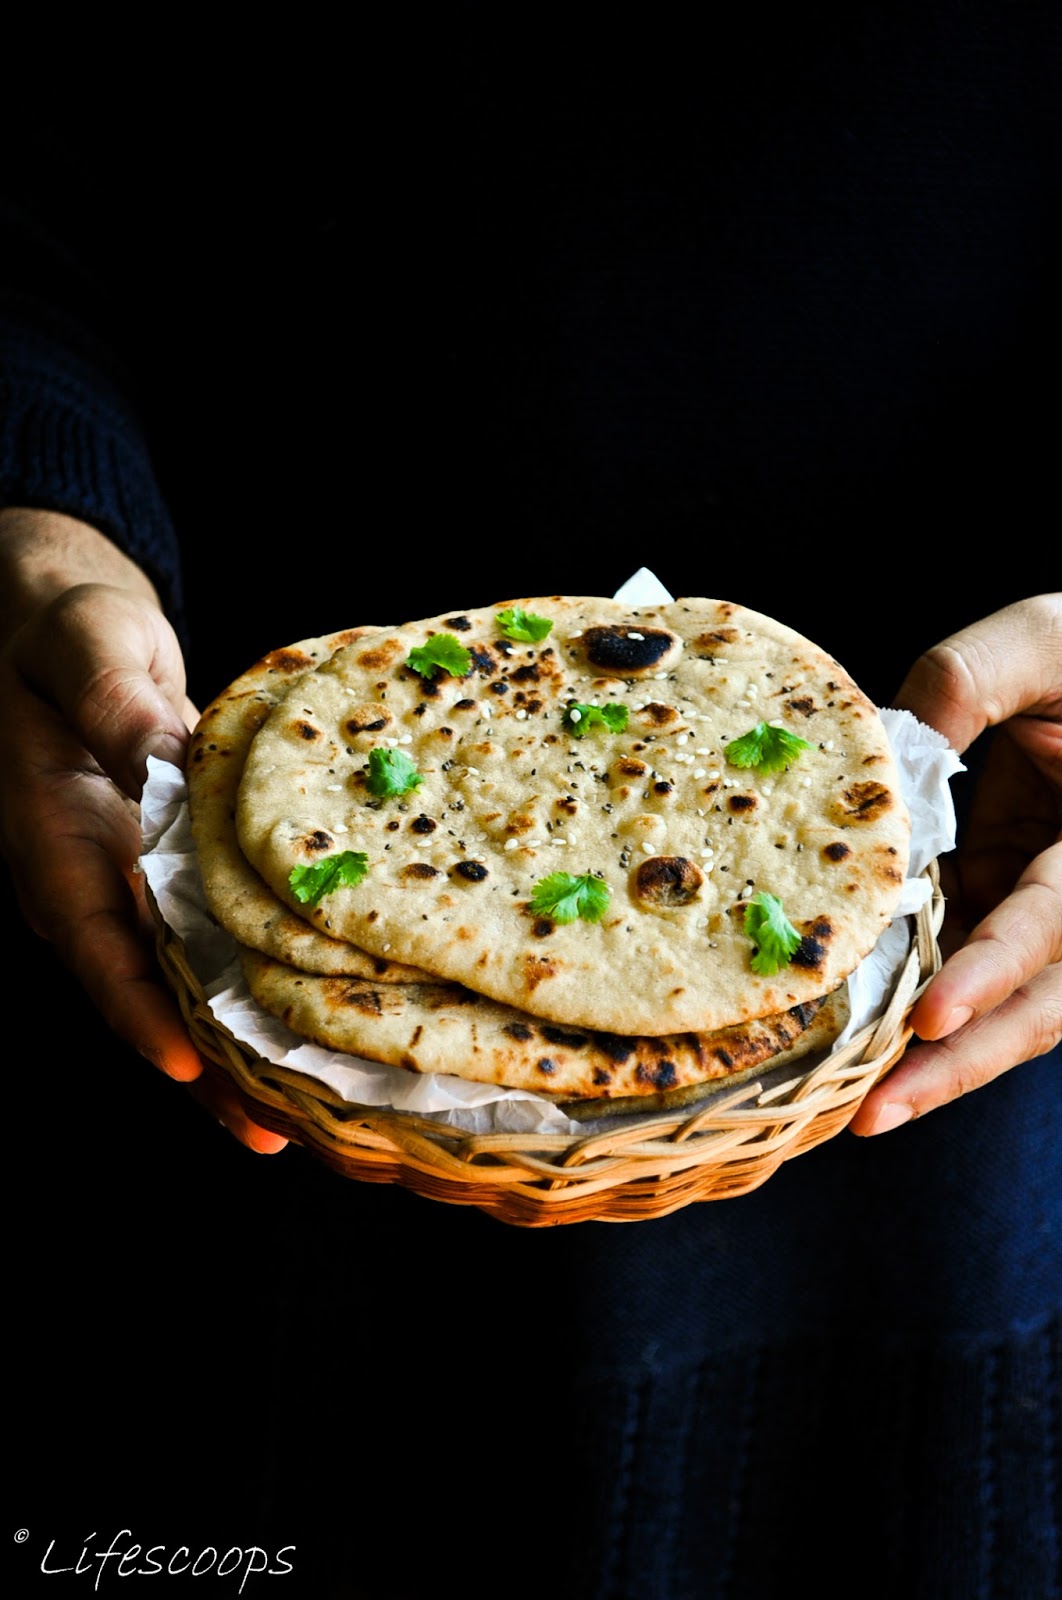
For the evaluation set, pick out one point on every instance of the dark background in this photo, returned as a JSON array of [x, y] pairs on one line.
[[455, 319]]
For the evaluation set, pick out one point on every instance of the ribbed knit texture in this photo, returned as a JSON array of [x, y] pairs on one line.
[[927, 1472]]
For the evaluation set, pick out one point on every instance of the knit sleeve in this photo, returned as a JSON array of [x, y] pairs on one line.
[[71, 439]]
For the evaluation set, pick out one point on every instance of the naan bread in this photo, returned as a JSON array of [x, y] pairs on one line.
[[236, 896], [443, 1028], [681, 837]]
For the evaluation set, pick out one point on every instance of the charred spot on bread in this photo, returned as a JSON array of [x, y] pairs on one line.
[[866, 802], [367, 718], [471, 871], [667, 882], [629, 650]]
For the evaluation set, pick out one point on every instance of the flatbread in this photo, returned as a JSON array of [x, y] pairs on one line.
[[428, 1028], [681, 838], [236, 896]]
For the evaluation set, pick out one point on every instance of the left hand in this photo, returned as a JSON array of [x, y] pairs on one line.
[[997, 1000]]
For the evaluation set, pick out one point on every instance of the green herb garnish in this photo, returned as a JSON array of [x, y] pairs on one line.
[[581, 719], [391, 772], [525, 626], [442, 653], [344, 871], [566, 898], [771, 932], [766, 748]]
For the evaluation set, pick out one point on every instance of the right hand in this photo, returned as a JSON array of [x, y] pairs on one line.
[[92, 682]]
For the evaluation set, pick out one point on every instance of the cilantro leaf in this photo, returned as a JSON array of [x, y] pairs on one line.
[[565, 897], [771, 932], [766, 748], [442, 653], [582, 719], [391, 772], [344, 871], [525, 626]]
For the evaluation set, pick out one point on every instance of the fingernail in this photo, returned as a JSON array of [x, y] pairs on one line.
[[956, 1019], [164, 747], [893, 1115]]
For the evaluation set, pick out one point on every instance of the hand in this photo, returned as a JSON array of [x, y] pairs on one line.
[[997, 1000], [92, 682]]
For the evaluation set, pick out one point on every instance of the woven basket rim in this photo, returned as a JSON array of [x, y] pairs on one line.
[[648, 1165]]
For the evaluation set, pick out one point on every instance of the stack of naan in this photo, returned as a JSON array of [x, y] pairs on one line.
[[533, 844]]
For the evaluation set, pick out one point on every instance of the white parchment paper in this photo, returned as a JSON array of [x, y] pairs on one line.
[[168, 860]]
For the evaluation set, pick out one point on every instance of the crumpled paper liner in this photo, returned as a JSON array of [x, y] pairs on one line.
[[169, 862]]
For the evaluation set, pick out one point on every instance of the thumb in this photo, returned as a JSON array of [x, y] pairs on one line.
[[1008, 664], [111, 664]]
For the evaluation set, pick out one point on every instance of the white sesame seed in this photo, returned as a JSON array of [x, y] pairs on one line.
[[648, 847], [776, 722], [699, 772], [752, 691], [521, 715], [333, 788], [683, 738], [512, 844]]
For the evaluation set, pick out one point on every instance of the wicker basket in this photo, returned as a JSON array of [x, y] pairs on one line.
[[644, 1166]]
